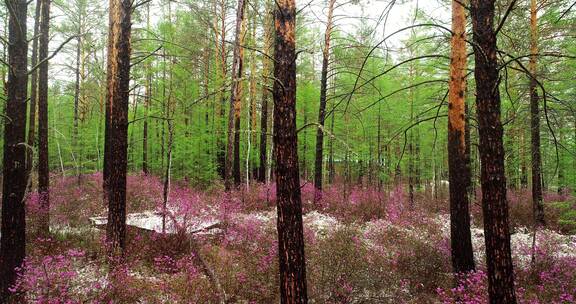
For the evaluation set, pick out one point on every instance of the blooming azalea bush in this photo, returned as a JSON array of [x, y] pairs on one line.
[[362, 245]]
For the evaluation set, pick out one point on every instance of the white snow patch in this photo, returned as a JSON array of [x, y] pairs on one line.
[[520, 241], [152, 221]]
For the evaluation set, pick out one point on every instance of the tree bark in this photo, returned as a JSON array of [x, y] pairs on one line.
[[232, 167], [147, 101], [491, 150], [116, 143], [220, 147], [166, 188], [322, 110], [537, 200], [411, 149], [458, 161], [290, 227], [13, 227], [331, 165], [268, 29], [33, 95], [77, 89], [43, 168]]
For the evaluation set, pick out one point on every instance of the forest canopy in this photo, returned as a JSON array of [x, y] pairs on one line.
[[331, 151]]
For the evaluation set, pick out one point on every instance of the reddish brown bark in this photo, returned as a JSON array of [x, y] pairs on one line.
[[290, 228], [491, 150], [459, 169], [13, 238], [116, 141]]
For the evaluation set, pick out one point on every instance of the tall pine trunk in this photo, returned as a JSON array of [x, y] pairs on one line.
[[43, 168], [290, 227], [33, 94], [116, 139], [491, 149], [268, 30], [12, 233], [220, 145], [232, 167], [147, 101], [322, 110], [537, 200], [458, 161]]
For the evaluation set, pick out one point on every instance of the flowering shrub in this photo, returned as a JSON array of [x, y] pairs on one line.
[[61, 278], [362, 245]]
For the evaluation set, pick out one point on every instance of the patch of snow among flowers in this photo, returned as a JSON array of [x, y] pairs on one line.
[[520, 240], [321, 224]]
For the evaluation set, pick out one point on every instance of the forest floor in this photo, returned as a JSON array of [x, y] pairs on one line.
[[362, 246]]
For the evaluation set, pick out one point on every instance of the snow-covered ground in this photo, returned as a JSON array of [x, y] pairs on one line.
[[152, 221], [521, 241]]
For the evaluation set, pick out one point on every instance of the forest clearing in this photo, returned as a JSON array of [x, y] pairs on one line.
[[259, 151]]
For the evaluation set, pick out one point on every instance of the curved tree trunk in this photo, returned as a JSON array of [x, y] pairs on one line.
[[491, 149], [290, 227], [12, 236], [458, 161]]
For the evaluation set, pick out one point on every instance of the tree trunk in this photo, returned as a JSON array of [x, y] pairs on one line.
[[411, 149], [115, 154], [290, 227], [234, 114], [77, 92], [523, 167], [43, 169], [537, 200], [252, 113], [491, 149], [379, 162], [13, 238], [238, 97], [331, 165], [322, 111], [220, 147], [33, 96], [265, 76], [147, 101], [458, 161], [166, 188]]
